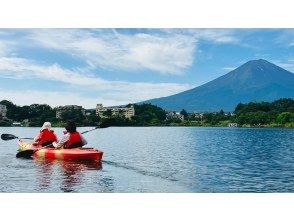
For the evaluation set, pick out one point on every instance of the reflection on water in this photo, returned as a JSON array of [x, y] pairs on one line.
[[44, 170], [71, 172]]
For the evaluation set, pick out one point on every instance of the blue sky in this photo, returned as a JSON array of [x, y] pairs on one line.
[[120, 66]]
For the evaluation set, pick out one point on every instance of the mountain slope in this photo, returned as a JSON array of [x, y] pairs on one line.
[[256, 80]]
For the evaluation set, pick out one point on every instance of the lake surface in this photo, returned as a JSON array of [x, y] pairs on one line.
[[160, 159]]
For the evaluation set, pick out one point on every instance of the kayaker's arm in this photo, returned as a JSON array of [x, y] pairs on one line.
[[62, 142], [37, 138]]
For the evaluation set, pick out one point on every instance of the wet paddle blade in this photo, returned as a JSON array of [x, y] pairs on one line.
[[7, 137], [26, 154], [104, 124]]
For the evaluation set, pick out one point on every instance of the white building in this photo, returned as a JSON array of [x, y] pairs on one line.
[[174, 115], [232, 125], [66, 108], [128, 112], [3, 111], [16, 124], [198, 115]]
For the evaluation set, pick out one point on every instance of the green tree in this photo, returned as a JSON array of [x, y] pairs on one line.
[[93, 119], [184, 113], [285, 117], [107, 113], [147, 114], [75, 115], [12, 110], [5, 123]]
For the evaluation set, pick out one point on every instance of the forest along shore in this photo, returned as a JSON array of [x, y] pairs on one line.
[[279, 113]]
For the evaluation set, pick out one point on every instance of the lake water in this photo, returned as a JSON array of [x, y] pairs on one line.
[[160, 159]]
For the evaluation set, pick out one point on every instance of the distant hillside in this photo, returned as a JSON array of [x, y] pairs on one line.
[[256, 80]]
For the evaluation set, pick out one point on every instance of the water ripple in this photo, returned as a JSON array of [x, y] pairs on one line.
[[155, 159]]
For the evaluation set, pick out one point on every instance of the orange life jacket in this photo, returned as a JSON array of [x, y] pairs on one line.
[[74, 140], [47, 137]]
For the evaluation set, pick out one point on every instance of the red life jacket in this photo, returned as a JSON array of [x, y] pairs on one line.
[[47, 137], [74, 140]]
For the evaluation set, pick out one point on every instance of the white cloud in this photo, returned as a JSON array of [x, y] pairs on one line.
[[124, 92], [19, 68], [6, 47], [287, 64], [51, 98], [218, 36], [167, 51], [286, 37], [166, 54]]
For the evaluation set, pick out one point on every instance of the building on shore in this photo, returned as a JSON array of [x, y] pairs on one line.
[[127, 112], [3, 111], [234, 125], [198, 115], [62, 109], [16, 124], [174, 115]]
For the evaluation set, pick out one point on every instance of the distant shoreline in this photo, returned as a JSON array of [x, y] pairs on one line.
[[279, 113], [163, 126]]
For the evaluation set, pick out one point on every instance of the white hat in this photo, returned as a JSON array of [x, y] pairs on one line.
[[46, 125]]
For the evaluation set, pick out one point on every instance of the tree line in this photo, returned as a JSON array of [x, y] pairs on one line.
[[36, 114], [279, 113]]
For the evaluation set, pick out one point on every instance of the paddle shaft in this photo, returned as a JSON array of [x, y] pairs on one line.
[[8, 137], [89, 130], [25, 138]]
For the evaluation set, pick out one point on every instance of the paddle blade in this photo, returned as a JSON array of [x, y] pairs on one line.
[[105, 124], [7, 137], [26, 154]]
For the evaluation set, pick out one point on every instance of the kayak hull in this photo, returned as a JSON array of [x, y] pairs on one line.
[[69, 154], [86, 154]]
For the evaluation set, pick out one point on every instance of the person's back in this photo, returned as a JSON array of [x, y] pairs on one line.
[[71, 139], [46, 135], [75, 140]]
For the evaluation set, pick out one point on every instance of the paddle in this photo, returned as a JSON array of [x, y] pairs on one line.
[[8, 137], [29, 152]]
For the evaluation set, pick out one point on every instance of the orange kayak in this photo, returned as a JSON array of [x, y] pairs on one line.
[[89, 154]]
